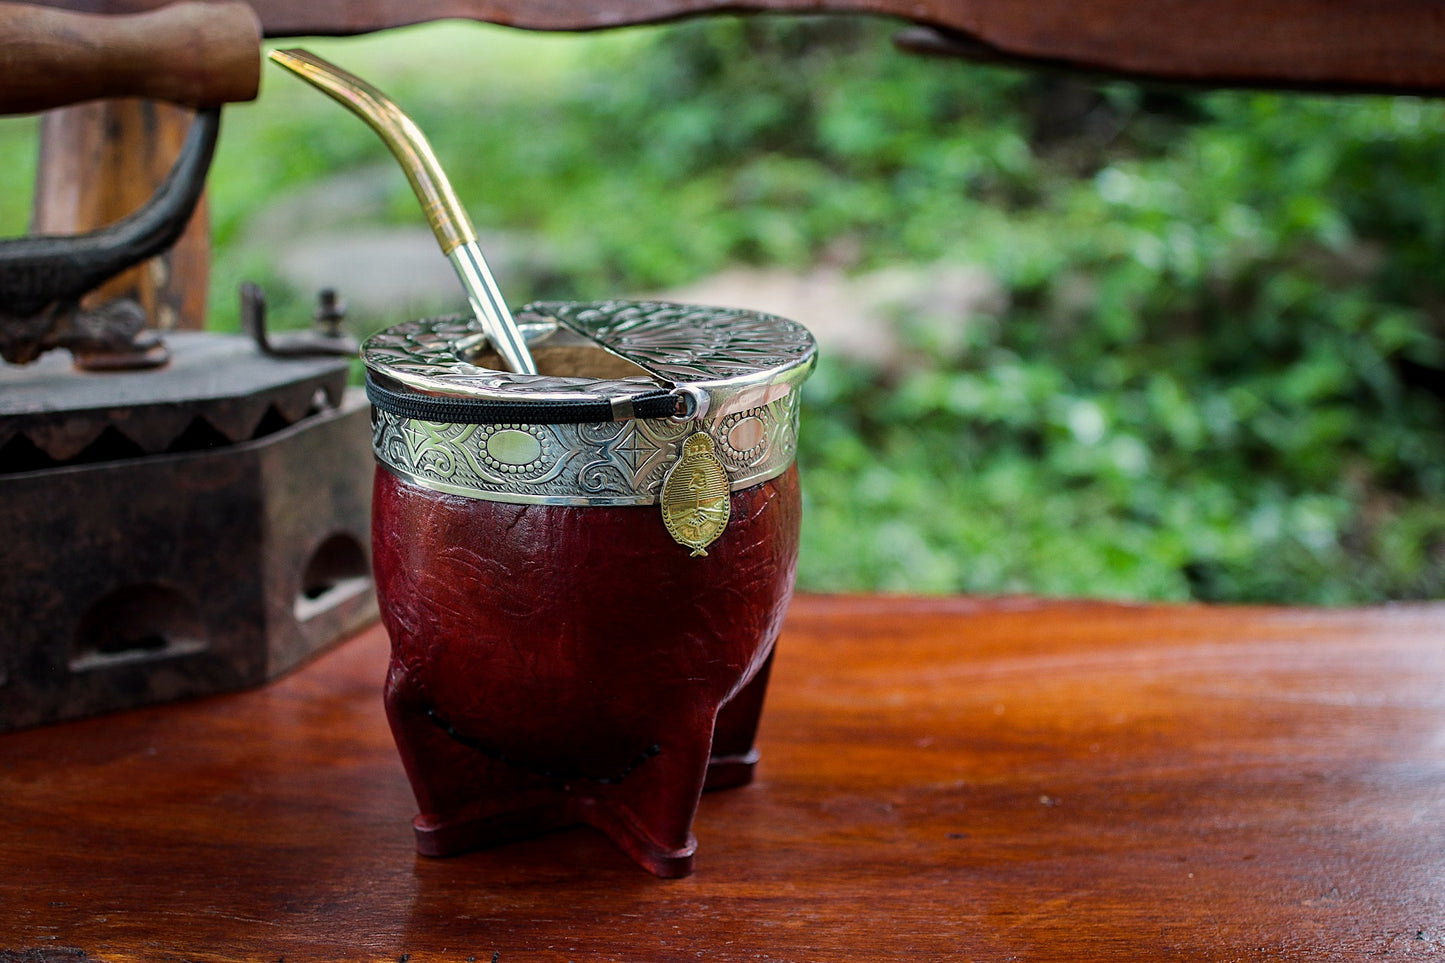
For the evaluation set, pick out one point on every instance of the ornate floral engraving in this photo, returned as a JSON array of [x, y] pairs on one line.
[[431, 353], [607, 463], [750, 365], [686, 343], [678, 343], [631, 453]]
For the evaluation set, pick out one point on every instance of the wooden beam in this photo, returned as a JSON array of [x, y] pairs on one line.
[[1328, 44]]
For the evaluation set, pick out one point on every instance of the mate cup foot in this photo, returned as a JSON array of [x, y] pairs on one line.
[[471, 800]]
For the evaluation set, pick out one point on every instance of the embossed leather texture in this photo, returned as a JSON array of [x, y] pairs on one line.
[[556, 664]]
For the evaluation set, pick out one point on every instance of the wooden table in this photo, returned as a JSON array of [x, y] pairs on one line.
[[941, 779]]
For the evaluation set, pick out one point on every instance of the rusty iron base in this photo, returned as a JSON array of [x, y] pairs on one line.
[[160, 576]]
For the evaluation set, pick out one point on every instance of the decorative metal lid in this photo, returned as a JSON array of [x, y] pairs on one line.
[[623, 385]]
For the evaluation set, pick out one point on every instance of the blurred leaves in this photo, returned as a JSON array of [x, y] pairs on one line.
[[1220, 370]]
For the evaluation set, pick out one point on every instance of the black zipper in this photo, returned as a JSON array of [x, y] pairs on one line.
[[657, 403]]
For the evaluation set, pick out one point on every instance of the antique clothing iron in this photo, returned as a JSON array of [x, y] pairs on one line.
[[167, 532]]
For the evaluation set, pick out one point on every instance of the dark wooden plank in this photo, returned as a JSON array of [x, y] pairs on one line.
[[989, 780], [1334, 44]]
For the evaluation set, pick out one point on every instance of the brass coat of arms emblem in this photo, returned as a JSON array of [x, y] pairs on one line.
[[696, 496]]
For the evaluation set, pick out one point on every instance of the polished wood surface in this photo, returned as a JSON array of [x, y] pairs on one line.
[[945, 779], [1334, 44]]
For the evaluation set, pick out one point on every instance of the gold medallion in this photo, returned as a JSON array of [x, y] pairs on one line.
[[695, 495]]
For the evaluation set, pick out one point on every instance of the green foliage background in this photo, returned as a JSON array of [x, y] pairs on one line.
[[1220, 369]]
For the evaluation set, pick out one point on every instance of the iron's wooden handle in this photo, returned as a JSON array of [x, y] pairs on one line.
[[194, 54]]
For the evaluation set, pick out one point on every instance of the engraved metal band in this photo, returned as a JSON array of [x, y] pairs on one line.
[[734, 374], [603, 463]]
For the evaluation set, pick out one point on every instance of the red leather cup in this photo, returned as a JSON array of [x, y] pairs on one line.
[[557, 663]]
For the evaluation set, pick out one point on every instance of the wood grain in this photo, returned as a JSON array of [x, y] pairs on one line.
[[967, 779], [1330, 44], [194, 54]]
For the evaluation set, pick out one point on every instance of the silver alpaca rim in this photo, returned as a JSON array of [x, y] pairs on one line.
[[738, 372]]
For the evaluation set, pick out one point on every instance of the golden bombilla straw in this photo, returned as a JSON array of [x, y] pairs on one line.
[[444, 212]]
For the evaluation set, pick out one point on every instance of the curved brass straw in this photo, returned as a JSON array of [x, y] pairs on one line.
[[444, 212]]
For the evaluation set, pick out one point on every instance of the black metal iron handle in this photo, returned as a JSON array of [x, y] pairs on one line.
[[41, 270]]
